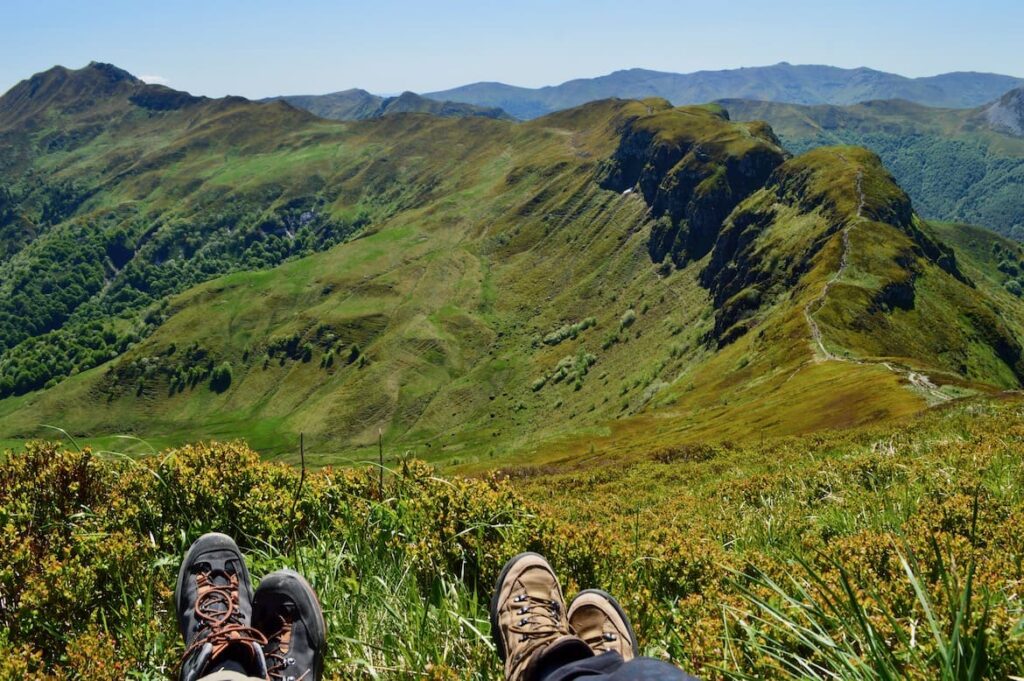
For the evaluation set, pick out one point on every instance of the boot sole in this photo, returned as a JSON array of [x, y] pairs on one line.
[[499, 642], [278, 581], [211, 541], [618, 609]]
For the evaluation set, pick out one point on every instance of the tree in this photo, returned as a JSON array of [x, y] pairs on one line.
[[220, 379]]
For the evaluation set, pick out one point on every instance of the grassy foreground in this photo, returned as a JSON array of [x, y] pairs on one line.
[[868, 554]]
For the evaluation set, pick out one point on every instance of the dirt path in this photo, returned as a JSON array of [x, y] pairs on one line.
[[917, 380]]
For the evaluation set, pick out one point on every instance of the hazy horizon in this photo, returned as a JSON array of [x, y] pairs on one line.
[[262, 49]]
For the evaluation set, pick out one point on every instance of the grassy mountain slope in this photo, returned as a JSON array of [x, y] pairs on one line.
[[957, 165], [615, 277], [129, 193], [436, 300], [800, 84], [357, 105]]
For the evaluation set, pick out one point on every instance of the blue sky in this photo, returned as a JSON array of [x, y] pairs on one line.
[[257, 48]]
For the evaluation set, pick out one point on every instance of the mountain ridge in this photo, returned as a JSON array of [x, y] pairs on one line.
[[346, 278], [1007, 114], [356, 104], [803, 84]]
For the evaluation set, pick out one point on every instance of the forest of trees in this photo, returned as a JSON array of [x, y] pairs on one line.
[[89, 287]]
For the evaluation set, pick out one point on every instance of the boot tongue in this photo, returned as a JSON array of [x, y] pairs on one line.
[[560, 652], [219, 577], [249, 655], [569, 648]]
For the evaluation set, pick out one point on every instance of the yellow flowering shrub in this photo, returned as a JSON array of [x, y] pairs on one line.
[[719, 554]]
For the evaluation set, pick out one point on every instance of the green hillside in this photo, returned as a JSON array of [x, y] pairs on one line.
[[957, 165], [611, 278]]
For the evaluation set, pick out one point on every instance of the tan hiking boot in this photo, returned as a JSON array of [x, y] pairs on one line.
[[528, 617], [599, 620]]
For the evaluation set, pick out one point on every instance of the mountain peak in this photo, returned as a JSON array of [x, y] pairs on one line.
[[61, 87], [112, 73], [1007, 114], [692, 165]]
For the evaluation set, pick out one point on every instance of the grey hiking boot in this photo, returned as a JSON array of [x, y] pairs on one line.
[[599, 620], [287, 612], [213, 600], [528, 621]]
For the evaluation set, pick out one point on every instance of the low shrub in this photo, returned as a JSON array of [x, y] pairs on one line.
[[856, 556]]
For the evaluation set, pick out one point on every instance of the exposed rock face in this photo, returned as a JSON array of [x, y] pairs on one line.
[[160, 98], [693, 166], [1007, 114]]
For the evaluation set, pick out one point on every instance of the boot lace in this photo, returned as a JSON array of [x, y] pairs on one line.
[[601, 641], [276, 651], [537, 620], [216, 611]]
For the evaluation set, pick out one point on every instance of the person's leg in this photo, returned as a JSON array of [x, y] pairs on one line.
[[231, 676], [597, 667], [213, 600], [611, 667], [534, 638], [597, 618], [287, 611]]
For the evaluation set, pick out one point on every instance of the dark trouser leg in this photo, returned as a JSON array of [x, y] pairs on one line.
[[610, 667]]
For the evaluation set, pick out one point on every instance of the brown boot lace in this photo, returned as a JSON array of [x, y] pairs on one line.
[[217, 609], [276, 651], [539, 621]]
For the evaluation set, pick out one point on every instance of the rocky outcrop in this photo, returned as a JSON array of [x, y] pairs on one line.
[[1007, 114], [692, 166], [160, 98]]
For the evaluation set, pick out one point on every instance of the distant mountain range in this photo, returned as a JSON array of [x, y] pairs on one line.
[[358, 105], [796, 84]]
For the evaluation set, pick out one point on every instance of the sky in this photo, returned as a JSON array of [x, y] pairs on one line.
[[257, 49]]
